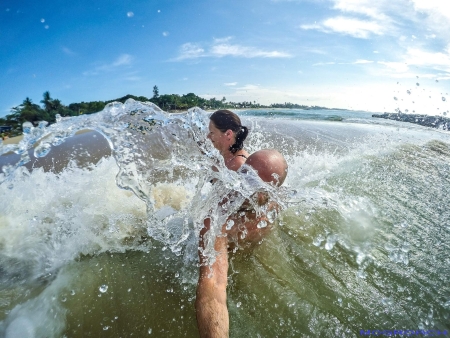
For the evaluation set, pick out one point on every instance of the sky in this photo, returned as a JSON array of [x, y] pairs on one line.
[[353, 54]]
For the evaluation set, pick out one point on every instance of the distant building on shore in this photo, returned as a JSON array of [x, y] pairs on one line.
[[5, 128]]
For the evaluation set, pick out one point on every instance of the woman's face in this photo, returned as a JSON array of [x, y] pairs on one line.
[[221, 140]]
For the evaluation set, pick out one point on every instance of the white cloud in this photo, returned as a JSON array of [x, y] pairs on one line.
[[68, 51], [121, 61], [436, 8], [230, 83], [354, 27], [312, 26], [416, 62], [222, 48], [364, 18], [324, 63], [124, 59], [315, 51], [359, 62], [190, 51], [357, 28], [436, 60], [399, 67], [222, 40], [369, 8], [248, 87]]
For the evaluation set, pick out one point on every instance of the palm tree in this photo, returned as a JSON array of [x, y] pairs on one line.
[[47, 101], [27, 102]]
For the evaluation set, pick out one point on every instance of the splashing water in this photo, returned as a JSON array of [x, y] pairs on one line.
[[360, 244]]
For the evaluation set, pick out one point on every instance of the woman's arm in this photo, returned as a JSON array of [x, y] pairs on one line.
[[211, 301]]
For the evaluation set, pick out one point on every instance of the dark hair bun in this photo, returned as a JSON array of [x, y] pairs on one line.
[[226, 119]]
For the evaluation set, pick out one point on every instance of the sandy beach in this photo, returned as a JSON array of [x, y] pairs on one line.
[[17, 139], [12, 140]]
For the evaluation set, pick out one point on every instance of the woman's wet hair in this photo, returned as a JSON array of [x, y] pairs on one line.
[[224, 120]]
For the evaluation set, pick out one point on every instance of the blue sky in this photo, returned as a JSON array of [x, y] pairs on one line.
[[354, 54]]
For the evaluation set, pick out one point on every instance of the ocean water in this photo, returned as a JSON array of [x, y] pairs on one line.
[[100, 215]]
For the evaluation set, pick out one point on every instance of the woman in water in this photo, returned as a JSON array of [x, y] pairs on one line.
[[227, 135]]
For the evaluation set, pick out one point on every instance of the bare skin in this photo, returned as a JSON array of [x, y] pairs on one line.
[[211, 307]]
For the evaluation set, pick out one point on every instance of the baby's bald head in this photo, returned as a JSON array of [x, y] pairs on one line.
[[268, 162]]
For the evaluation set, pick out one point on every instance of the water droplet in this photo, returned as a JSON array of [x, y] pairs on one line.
[[27, 127], [177, 275], [271, 216], [444, 99], [318, 240], [262, 224], [361, 274], [149, 331], [42, 150], [447, 304], [130, 14], [395, 98], [129, 290], [230, 224], [417, 84], [103, 288], [437, 80], [238, 304], [105, 328], [405, 259], [387, 301], [42, 20], [331, 241], [72, 292], [64, 299], [409, 92]]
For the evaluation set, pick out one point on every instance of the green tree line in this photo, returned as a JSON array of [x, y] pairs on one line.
[[34, 113]]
